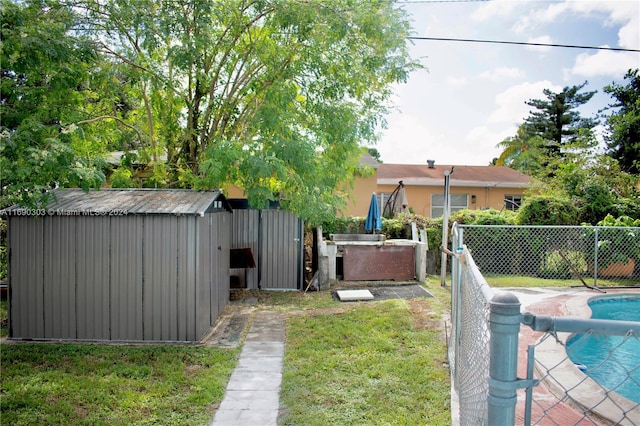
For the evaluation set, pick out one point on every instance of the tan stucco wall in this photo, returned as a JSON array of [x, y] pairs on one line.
[[232, 191], [360, 196]]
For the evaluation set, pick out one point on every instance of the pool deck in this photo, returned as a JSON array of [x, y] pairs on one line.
[[572, 302]]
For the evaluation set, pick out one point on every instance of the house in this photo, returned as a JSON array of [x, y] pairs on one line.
[[471, 187], [359, 196], [119, 265]]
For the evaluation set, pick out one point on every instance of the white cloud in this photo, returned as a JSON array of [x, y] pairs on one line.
[[605, 63], [492, 9], [537, 17], [545, 39], [409, 140], [511, 107], [474, 95], [502, 73], [618, 12], [481, 145], [456, 81], [624, 13], [629, 34]]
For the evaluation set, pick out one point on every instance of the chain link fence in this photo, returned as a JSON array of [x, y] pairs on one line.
[[469, 342], [604, 391], [555, 383], [594, 255]]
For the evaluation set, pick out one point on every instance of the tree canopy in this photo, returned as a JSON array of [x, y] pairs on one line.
[[274, 96], [44, 84], [623, 138], [556, 119], [559, 148]]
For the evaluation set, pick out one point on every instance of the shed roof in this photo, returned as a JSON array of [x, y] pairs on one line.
[[482, 176], [111, 201]]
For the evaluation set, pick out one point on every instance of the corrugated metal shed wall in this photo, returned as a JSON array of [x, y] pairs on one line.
[[161, 281], [203, 269], [92, 266], [60, 278], [221, 262], [26, 269], [134, 277], [246, 233], [281, 249], [126, 278], [186, 270], [275, 239]]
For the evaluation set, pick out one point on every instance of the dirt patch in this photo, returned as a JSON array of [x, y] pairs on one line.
[[322, 311], [82, 412], [192, 369], [230, 326], [423, 316]]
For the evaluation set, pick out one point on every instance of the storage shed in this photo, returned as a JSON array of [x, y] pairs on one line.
[[119, 265], [275, 240]]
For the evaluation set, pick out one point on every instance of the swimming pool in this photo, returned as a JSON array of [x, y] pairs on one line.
[[612, 361]]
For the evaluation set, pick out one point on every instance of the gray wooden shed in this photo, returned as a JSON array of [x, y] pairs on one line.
[[119, 265]]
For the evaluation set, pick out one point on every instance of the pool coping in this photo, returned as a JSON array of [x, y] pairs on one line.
[[582, 389]]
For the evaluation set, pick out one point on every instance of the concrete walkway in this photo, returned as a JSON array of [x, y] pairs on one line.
[[252, 395]]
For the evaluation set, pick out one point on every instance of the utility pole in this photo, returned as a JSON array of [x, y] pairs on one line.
[[445, 228]]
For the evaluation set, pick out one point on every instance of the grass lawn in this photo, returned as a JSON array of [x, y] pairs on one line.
[[373, 363], [49, 383], [356, 363], [368, 363], [524, 281]]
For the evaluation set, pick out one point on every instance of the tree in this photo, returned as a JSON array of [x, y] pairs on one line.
[[275, 96], [556, 119], [523, 152], [547, 210], [47, 80], [375, 154], [623, 139], [574, 170]]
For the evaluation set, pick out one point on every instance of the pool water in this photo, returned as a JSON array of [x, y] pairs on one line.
[[612, 361]]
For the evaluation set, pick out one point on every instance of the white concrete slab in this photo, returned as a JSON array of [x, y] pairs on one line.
[[352, 295]]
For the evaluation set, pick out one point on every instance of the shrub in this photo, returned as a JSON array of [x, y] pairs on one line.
[[343, 225], [397, 228], [484, 217], [555, 267], [618, 240], [626, 207], [547, 210]]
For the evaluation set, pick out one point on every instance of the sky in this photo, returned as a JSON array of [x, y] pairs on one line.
[[471, 96]]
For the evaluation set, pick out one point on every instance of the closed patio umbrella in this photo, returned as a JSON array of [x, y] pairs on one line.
[[374, 221], [401, 203]]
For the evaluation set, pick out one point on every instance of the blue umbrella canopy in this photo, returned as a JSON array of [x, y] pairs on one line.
[[374, 221]]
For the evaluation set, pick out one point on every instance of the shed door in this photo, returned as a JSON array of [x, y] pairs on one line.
[[281, 248]]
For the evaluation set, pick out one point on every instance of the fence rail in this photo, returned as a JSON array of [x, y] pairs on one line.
[[534, 372]]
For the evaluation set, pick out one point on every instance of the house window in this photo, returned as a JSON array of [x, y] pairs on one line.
[[458, 202], [383, 197], [512, 202]]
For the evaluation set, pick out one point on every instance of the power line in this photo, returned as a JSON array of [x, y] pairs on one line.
[[522, 43]]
